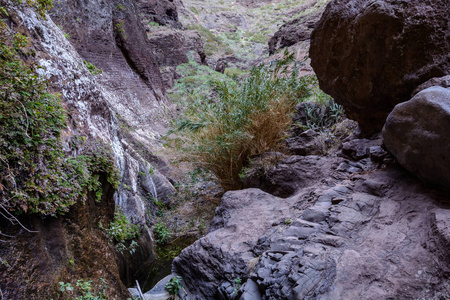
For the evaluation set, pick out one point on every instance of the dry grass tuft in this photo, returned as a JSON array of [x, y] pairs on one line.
[[247, 118]]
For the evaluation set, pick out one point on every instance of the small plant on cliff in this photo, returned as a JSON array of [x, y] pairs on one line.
[[41, 6], [162, 233], [85, 289], [237, 283], [92, 69], [246, 119], [123, 232], [120, 29]]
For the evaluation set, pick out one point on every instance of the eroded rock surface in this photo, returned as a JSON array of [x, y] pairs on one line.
[[416, 133], [73, 247], [370, 55], [163, 12], [372, 234], [297, 30]]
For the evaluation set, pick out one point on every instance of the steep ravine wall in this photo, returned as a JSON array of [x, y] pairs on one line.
[[123, 107]]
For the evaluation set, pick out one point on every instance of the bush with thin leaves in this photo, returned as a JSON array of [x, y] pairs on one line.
[[247, 118]]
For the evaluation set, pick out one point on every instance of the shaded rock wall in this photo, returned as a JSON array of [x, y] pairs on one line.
[[122, 107], [163, 12], [370, 55]]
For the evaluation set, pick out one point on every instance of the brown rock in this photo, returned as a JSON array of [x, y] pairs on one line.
[[168, 48], [370, 55], [163, 12], [296, 30]]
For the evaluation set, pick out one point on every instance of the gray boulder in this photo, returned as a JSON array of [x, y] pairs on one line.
[[416, 133]]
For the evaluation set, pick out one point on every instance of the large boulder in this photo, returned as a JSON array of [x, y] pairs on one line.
[[370, 55], [416, 133]]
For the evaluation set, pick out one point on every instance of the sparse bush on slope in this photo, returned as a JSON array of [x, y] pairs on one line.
[[247, 118]]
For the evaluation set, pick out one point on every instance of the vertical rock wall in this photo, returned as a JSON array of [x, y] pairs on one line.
[[124, 107]]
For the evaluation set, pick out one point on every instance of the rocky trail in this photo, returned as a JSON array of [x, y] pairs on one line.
[[360, 230]]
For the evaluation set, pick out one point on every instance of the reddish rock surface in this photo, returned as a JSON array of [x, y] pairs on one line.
[[370, 55]]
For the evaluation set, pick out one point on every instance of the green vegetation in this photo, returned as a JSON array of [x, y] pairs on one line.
[[36, 174], [153, 25], [237, 283], [213, 43], [162, 233], [120, 7], [41, 6], [84, 290], [246, 119], [92, 69], [195, 81], [321, 112], [122, 232], [235, 73], [120, 29], [174, 285]]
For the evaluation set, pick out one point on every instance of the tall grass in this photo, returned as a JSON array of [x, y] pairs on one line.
[[245, 119]]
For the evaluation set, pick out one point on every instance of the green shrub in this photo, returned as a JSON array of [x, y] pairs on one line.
[[92, 69], [174, 285], [246, 119], [321, 112], [195, 81], [162, 233], [85, 289], [121, 231]]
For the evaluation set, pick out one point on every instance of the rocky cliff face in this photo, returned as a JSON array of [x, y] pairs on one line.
[[163, 12], [110, 36], [122, 106], [295, 35]]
